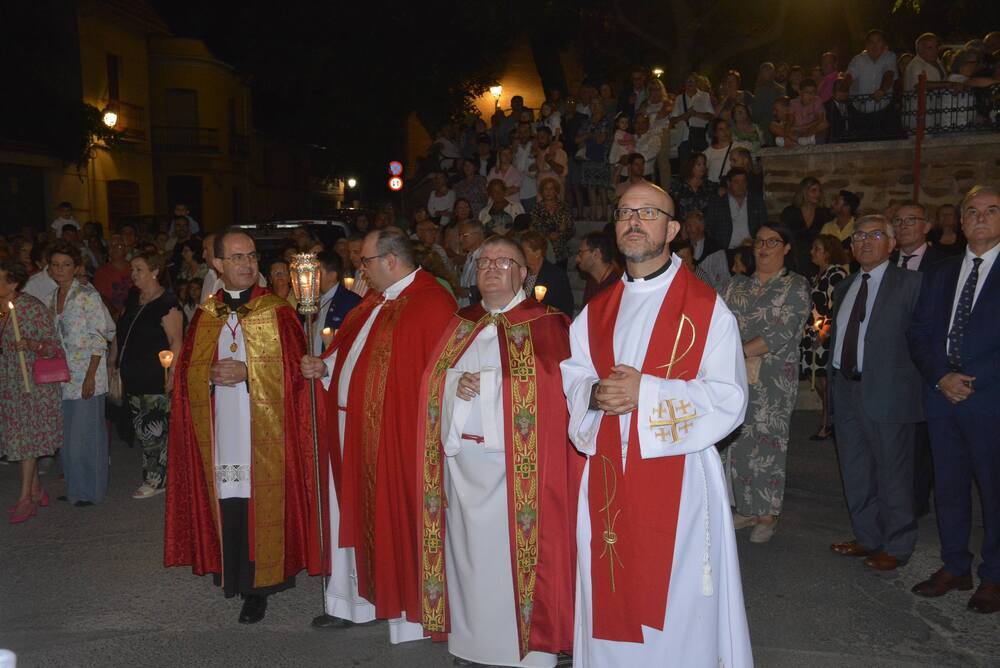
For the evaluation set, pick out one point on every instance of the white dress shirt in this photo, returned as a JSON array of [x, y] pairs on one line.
[[916, 257], [741, 221], [989, 259], [844, 314]]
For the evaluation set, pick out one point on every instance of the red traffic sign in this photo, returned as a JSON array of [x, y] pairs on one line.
[[396, 168], [396, 183]]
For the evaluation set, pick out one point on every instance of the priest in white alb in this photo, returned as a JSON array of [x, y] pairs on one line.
[[656, 378], [500, 478]]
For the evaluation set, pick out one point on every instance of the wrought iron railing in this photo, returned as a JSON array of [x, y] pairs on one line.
[[174, 139], [863, 117]]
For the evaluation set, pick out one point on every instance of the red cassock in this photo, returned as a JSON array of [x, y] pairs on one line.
[[284, 536], [377, 478], [543, 472]]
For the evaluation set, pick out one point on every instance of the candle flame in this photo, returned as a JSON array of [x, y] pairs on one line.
[[349, 282], [540, 291], [10, 305], [166, 358]]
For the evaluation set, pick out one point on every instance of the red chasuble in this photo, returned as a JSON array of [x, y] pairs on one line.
[[633, 512], [377, 478], [543, 472], [283, 523]]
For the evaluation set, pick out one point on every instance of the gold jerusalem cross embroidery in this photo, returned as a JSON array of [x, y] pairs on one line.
[[672, 419]]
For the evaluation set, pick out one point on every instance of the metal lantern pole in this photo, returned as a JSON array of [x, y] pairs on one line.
[[305, 282]]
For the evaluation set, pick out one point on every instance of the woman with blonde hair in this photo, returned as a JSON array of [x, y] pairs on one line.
[[805, 217]]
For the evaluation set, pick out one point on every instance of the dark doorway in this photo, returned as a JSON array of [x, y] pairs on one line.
[[123, 201], [185, 190]]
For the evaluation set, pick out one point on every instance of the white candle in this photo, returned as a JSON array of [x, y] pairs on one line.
[[349, 283], [166, 359], [20, 353], [327, 335], [540, 291]]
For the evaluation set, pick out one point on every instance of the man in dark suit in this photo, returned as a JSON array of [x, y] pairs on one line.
[[912, 250], [542, 272], [736, 215], [953, 340], [914, 253], [876, 399], [335, 301]]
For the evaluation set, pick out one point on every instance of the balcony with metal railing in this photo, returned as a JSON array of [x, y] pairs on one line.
[[186, 140]]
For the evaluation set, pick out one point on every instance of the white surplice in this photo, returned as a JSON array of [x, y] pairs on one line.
[[477, 537], [705, 622], [342, 597], [232, 420]]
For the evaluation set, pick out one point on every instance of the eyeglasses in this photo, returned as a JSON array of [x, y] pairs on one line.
[[501, 263], [973, 213], [771, 242], [366, 260], [861, 236], [909, 221], [647, 213], [240, 258]]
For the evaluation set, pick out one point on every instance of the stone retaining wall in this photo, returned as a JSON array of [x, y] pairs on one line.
[[883, 171]]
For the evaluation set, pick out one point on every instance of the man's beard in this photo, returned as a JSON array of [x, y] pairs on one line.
[[641, 256]]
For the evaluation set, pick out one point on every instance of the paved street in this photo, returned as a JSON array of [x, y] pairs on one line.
[[85, 587]]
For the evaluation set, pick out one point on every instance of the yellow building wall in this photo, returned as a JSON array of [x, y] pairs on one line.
[[103, 31], [178, 63], [520, 77]]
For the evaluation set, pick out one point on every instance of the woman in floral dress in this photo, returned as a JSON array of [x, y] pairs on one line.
[[31, 426], [771, 307], [828, 254], [85, 328]]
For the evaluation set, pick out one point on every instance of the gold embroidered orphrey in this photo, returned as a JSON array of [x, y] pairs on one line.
[[672, 418]]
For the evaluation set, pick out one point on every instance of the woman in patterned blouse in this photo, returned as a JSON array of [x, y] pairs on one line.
[[553, 219], [84, 327]]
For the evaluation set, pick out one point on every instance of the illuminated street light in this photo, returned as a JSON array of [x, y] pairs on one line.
[[110, 117], [495, 91], [657, 72], [351, 182]]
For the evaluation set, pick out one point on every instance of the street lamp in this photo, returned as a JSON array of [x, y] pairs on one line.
[[495, 91], [657, 72], [351, 182], [109, 116]]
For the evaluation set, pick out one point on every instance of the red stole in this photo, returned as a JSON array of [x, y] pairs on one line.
[[543, 472], [633, 512]]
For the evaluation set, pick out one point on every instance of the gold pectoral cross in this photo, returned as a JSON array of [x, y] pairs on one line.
[[672, 419]]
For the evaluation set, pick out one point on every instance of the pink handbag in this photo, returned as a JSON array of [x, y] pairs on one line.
[[48, 370]]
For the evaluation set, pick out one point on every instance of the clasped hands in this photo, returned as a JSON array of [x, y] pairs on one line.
[[617, 394], [468, 386], [228, 372], [956, 387], [313, 368]]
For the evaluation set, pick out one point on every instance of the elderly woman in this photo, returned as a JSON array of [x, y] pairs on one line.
[[85, 328], [829, 256], [771, 307], [152, 322], [553, 219], [31, 426]]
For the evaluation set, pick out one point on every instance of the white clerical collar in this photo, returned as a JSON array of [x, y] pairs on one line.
[[397, 288], [658, 280], [518, 298], [235, 294]]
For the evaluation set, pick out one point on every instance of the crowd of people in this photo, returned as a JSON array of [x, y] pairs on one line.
[[459, 407]]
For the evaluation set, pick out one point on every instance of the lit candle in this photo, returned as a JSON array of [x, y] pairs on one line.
[[166, 359], [349, 283], [20, 353], [327, 335], [540, 291]]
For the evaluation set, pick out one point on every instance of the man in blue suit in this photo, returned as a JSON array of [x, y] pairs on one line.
[[954, 342], [336, 300]]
